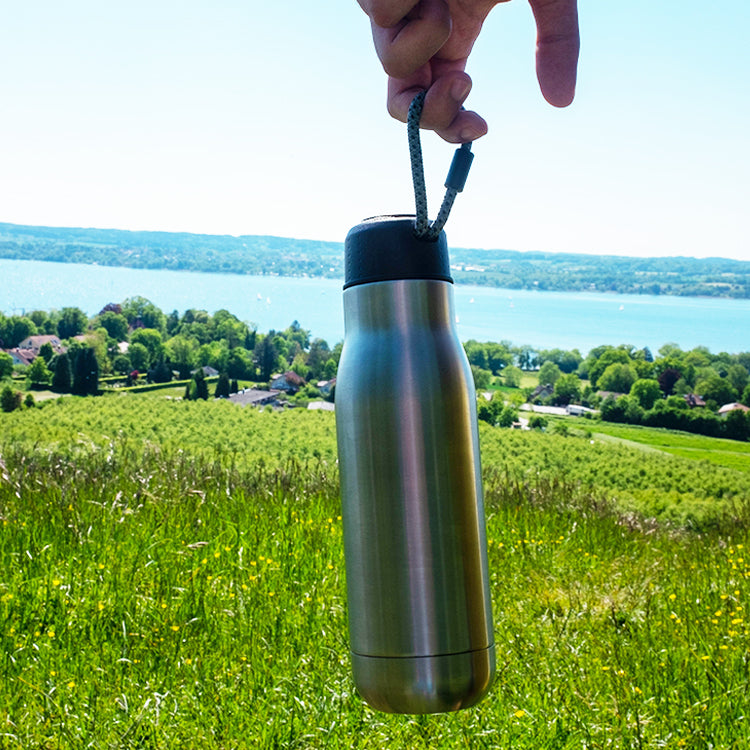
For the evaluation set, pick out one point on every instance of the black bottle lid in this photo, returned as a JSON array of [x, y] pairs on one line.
[[385, 248]]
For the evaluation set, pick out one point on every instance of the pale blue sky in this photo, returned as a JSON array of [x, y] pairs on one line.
[[257, 117]]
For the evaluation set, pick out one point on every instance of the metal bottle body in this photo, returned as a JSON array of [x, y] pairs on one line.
[[420, 617]]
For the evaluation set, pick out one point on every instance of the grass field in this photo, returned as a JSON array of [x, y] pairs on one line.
[[163, 587], [729, 453]]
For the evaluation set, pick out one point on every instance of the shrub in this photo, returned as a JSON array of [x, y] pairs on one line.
[[10, 399], [538, 422]]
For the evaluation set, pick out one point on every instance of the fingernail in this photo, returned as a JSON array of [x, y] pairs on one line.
[[460, 90], [471, 134]]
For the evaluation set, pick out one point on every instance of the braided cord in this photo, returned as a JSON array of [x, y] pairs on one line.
[[454, 184]]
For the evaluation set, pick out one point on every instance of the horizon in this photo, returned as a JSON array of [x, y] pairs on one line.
[[341, 242]]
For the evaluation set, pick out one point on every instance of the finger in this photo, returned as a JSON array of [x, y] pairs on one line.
[[409, 44], [467, 126], [387, 13], [558, 43], [442, 107]]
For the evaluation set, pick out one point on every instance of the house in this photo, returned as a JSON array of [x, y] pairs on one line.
[[542, 392], [693, 400], [35, 343], [21, 356], [289, 382], [734, 406], [253, 397], [326, 386]]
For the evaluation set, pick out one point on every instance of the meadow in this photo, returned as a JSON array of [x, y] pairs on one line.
[[172, 576]]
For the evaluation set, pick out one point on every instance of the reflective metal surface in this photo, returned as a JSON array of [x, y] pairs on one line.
[[418, 589]]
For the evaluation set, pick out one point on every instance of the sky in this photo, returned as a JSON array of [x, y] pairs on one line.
[[258, 117]]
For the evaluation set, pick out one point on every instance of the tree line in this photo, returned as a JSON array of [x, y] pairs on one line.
[[264, 255], [676, 389], [135, 339]]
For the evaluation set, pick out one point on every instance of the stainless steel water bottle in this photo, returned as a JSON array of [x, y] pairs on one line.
[[420, 620]]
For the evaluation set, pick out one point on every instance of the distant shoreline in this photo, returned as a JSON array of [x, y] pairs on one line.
[[256, 255]]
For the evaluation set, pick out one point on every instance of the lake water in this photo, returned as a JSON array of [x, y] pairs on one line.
[[541, 319]]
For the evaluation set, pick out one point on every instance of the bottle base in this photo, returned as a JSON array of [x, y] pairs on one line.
[[424, 684]]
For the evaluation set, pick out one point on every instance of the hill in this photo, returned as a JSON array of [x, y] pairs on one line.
[[174, 577], [280, 256]]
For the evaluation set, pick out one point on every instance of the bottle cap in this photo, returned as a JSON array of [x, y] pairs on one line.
[[385, 248]]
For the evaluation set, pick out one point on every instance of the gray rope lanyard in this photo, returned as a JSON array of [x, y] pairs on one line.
[[454, 182]]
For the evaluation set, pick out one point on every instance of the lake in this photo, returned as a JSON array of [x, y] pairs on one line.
[[540, 319]]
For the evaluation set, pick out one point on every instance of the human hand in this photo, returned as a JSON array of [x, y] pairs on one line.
[[424, 45]]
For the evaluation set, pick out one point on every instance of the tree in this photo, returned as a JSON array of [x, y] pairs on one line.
[[46, 352], [161, 373], [667, 380], [499, 357], [609, 357], [73, 322], [296, 333], [567, 361], [85, 373], [623, 409], [14, 330], [330, 369], [151, 339], [317, 357], [299, 366], [737, 425], [716, 389], [223, 387], [121, 364], [646, 392], [670, 349], [138, 357], [490, 410], [476, 354], [182, 353], [115, 324], [140, 312], [215, 354], [644, 354], [507, 416], [6, 365], [538, 422], [173, 322], [240, 365], [567, 388], [198, 386], [526, 357], [617, 377], [482, 378], [549, 372], [265, 356], [62, 378], [10, 399], [737, 375], [512, 376], [230, 328], [38, 374], [644, 369]]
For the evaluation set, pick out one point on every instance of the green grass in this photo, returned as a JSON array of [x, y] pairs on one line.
[[186, 594], [720, 451]]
